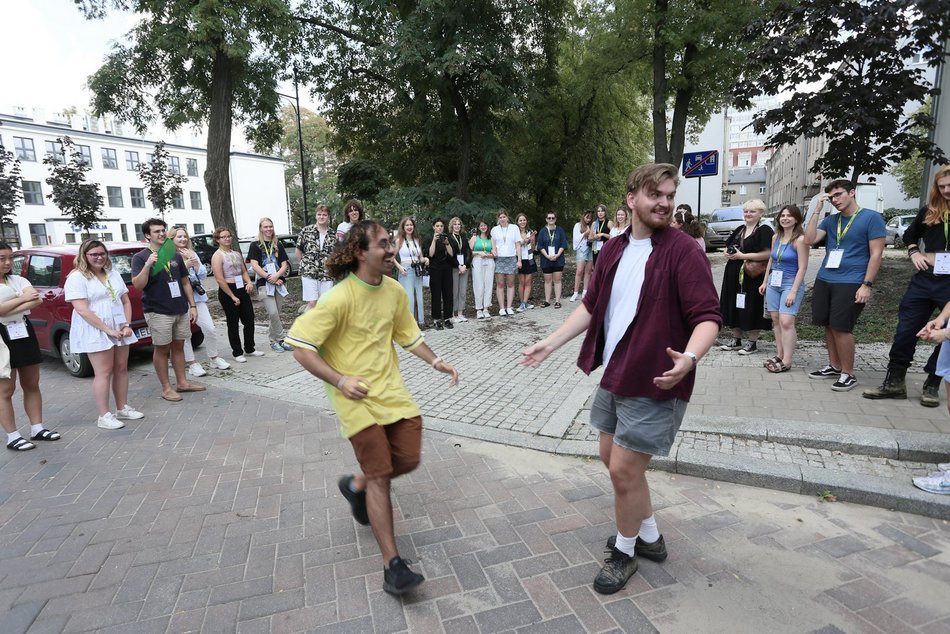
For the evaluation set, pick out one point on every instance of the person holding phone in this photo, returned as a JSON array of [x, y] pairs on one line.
[[441, 255]]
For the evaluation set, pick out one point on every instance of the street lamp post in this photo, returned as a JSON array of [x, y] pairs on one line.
[[303, 171]]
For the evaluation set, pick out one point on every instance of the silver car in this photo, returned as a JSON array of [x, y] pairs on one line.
[[720, 226], [289, 242], [895, 229]]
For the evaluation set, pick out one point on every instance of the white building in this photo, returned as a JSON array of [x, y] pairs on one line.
[[704, 194], [257, 182]]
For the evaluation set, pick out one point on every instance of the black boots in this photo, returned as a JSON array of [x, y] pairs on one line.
[[893, 386], [930, 397]]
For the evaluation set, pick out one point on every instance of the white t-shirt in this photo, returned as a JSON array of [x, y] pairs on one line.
[[581, 245], [625, 293], [505, 240], [13, 288]]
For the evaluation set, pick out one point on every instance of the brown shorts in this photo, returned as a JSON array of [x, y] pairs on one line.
[[387, 451]]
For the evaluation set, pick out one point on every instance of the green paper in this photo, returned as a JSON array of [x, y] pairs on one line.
[[165, 255]]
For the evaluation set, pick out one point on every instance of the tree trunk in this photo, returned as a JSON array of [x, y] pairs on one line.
[[217, 172], [465, 140], [684, 96], [661, 152]]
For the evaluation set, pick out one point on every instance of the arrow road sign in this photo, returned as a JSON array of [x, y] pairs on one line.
[[705, 163]]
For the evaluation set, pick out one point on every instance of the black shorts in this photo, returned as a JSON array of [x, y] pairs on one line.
[[527, 267], [553, 269], [833, 306], [23, 352]]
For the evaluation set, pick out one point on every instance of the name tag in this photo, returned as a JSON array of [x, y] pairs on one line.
[[942, 263], [834, 259], [551, 250], [775, 278], [17, 330], [118, 315], [239, 281], [740, 300], [271, 268], [461, 259], [174, 289]]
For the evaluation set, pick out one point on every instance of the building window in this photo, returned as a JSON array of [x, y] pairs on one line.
[[199, 228], [195, 200], [138, 197], [38, 235], [70, 238], [115, 196], [125, 233], [54, 149], [86, 153], [742, 190], [109, 160], [24, 148], [131, 160], [32, 193], [139, 236], [192, 166], [761, 189], [149, 158], [11, 234], [174, 165], [178, 202]]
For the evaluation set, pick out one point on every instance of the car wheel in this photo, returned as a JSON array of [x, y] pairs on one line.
[[76, 363], [197, 338]]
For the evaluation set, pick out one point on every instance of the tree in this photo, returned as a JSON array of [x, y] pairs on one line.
[[846, 65], [361, 179], [77, 200], [162, 186], [910, 171], [11, 190], [213, 63], [423, 87], [319, 162]]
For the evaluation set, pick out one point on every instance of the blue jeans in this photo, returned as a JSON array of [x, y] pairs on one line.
[[412, 284], [925, 294]]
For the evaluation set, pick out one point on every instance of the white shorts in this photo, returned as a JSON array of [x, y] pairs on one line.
[[313, 289]]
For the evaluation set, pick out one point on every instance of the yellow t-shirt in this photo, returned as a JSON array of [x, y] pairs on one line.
[[353, 328]]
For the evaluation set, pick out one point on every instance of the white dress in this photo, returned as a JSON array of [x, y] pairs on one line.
[[106, 304]]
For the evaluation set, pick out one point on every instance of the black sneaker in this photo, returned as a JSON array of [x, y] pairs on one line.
[[618, 568], [449, 324], [398, 579], [749, 348], [357, 500], [655, 551], [826, 372], [847, 384], [438, 325], [735, 345]]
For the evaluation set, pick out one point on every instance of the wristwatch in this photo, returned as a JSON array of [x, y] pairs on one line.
[[691, 356], [868, 283]]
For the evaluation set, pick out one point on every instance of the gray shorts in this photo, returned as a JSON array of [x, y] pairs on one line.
[[165, 328], [637, 423]]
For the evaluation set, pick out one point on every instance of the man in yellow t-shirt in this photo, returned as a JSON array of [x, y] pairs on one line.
[[347, 341]]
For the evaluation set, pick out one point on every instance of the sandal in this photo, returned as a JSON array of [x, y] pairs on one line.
[[777, 368], [557, 304], [20, 444], [545, 304], [771, 361], [45, 434]]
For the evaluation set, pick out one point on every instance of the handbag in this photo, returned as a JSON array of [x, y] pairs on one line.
[[754, 268]]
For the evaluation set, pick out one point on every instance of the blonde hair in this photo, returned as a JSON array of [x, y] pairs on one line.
[[754, 204], [82, 264], [937, 205], [461, 225], [260, 234]]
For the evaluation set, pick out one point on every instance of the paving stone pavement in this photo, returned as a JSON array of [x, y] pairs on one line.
[[221, 513]]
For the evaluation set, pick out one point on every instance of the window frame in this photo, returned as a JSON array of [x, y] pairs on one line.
[[109, 162]]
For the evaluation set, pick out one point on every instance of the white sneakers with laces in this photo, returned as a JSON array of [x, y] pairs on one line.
[[195, 369], [129, 413], [109, 421]]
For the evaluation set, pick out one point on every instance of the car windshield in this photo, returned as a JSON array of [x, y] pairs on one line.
[[725, 215], [122, 264]]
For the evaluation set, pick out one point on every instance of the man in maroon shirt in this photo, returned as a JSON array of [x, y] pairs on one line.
[[650, 313]]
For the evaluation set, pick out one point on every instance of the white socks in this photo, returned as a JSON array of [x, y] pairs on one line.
[[13, 435], [35, 429], [625, 545], [648, 531]]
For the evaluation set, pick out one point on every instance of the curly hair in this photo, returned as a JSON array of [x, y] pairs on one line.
[[343, 260]]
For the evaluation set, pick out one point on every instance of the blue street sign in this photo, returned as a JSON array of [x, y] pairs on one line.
[[705, 163]]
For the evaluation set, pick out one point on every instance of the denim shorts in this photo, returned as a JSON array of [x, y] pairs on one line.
[[775, 297], [639, 424]]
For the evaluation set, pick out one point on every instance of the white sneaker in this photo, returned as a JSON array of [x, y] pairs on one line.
[[240, 359], [256, 353], [511, 311], [502, 312], [195, 369], [109, 421], [573, 297], [129, 413], [530, 306], [220, 363], [461, 318], [938, 483]]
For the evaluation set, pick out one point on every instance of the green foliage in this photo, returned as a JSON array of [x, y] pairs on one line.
[[11, 191], [318, 162], [910, 171], [162, 186], [77, 200], [846, 65], [361, 179]]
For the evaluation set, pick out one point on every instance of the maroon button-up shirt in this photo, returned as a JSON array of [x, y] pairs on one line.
[[677, 294]]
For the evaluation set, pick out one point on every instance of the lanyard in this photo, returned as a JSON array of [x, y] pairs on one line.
[[846, 228], [551, 235], [110, 288], [267, 253], [782, 248], [504, 238], [409, 245], [458, 241], [231, 257], [946, 229]]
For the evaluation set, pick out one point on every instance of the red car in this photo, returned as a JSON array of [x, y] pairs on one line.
[[46, 269]]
